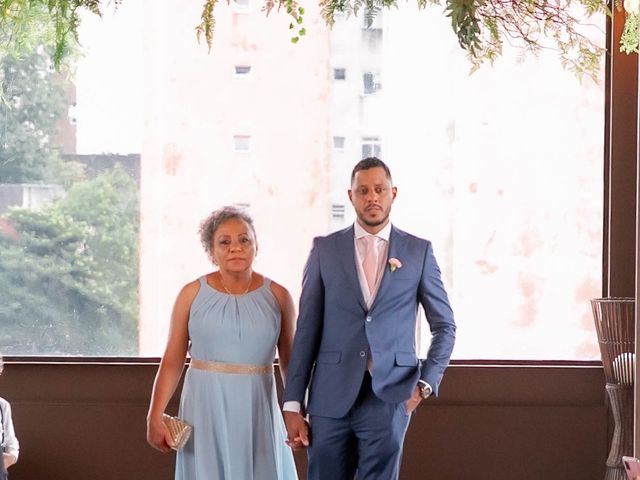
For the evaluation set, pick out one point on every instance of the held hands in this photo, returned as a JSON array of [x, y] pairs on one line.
[[158, 435], [297, 430], [414, 401]]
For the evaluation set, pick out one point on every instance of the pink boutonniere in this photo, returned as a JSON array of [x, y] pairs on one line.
[[394, 263]]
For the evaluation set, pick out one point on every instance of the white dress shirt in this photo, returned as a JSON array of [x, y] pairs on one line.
[[382, 245], [8, 438]]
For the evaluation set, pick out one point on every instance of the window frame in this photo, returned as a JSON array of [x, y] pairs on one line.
[[619, 234], [242, 75], [339, 70], [237, 138], [244, 7], [371, 142], [376, 83], [335, 148]]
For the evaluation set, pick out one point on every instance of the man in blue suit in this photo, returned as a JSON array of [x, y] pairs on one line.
[[354, 354]]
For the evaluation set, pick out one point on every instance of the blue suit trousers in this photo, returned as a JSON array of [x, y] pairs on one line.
[[367, 440]]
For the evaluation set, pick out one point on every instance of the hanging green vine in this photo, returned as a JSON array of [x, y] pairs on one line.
[[207, 21], [481, 26], [25, 24]]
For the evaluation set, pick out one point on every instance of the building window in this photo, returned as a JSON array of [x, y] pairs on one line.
[[372, 40], [371, 147], [339, 74], [242, 71], [241, 6], [371, 83], [337, 210], [241, 143], [338, 143], [71, 114]]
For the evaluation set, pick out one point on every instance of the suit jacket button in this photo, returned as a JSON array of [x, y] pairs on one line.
[[369, 318], [363, 354]]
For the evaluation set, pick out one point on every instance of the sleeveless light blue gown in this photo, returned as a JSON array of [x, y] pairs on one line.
[[238, 430]]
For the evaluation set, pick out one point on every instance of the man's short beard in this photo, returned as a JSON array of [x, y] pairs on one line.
[[374, 223]]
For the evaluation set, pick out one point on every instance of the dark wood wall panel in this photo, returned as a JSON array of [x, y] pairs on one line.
[[87, 421]]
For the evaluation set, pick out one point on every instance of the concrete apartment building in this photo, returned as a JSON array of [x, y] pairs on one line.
[[483, 161], [246, 124]]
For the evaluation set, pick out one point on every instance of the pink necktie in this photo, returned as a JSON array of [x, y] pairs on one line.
[[370, 262]]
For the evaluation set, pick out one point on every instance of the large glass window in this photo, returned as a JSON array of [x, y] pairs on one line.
[[105, 176]]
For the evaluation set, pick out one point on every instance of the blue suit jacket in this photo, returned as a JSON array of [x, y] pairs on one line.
[[336, 332]]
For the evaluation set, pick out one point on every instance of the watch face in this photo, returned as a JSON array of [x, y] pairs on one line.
[[425, 392]]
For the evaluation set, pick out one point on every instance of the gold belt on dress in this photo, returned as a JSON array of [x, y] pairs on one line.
[[222, 367]]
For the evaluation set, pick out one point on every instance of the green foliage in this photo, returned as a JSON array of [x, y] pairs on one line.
[[481, 26], [465, 24], [630, 34], [109, 205], [23, 29], [28, 24], [207, 23], [328, 8], [301, 30], [68, 273], [371, 11], [33, 100]]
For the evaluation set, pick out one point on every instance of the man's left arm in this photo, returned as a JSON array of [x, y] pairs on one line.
[[434, 299]]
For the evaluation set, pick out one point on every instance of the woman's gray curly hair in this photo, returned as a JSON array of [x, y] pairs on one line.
[[216, 218]]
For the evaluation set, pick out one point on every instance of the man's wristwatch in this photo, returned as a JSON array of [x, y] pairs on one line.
[[425, 390]]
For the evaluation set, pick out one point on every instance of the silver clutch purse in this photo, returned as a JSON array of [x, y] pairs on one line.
[[179, 429]]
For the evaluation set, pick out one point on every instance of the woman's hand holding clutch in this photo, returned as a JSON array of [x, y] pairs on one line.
[[158, 435]]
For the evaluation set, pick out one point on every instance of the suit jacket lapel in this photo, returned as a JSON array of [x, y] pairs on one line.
[[347, 257], [397, 246]]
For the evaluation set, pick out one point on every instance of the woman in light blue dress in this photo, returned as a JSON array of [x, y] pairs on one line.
[[230, 321]]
